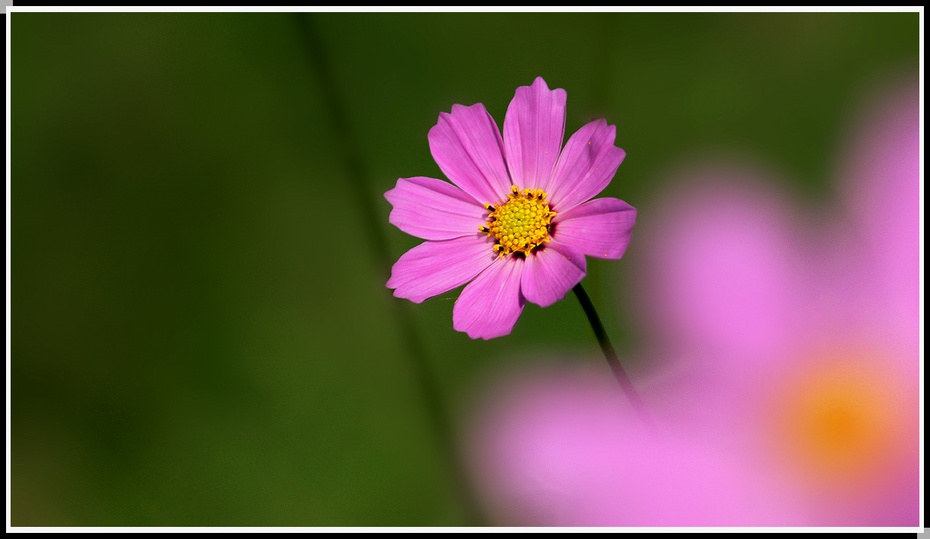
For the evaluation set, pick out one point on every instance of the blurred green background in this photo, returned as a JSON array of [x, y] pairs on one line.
[[201, 335]]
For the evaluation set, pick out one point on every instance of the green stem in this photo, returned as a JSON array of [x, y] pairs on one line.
[[622, 378]]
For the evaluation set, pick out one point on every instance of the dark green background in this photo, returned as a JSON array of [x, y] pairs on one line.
[[201, 335]]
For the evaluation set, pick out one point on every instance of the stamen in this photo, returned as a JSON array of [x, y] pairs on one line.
[[520, 224]]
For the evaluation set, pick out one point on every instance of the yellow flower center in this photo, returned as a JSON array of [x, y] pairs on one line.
[[521, 223]]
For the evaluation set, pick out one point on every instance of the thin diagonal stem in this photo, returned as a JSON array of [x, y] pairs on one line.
[[622, 378], [426, 379]]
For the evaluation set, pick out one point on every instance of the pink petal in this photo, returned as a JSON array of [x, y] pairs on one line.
[[601, 228], [491, 304], [557, 445], [533, 130], [881, 178], [435, 267], [723, 277], [433, 209], [587, 164], [551, 272], [467, 146]]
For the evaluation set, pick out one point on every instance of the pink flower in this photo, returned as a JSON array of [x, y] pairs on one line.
[[559, 446], [788, 392], [796, 338], [799, 365], [518, 219]]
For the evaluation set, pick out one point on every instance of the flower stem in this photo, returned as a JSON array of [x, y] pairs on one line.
[[622, 378]]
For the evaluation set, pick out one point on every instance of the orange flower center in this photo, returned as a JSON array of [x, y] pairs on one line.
[[839, 422]]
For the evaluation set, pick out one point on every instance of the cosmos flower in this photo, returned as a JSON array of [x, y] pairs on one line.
[[783, 354], [781, 348], [557, 445], [517, 220]]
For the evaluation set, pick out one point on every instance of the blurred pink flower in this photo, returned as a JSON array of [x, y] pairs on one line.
[[787, 391], [518, 219], [797, 338], [559, 446]]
